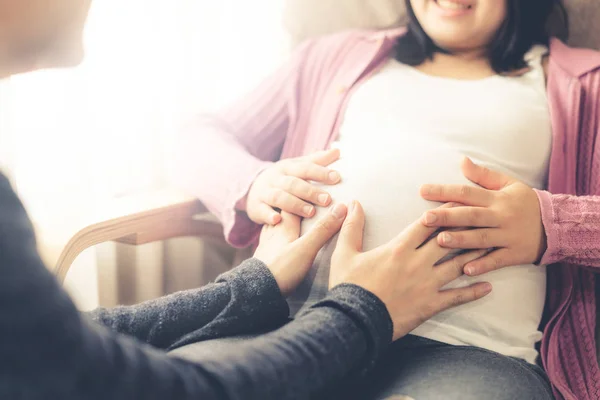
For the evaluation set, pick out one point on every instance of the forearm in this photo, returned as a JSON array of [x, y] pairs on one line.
[[572, 225], [344, 333], [49, 351], [213, 165], [219, 157], [244, 300]]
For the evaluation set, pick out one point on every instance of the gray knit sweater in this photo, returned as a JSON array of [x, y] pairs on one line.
[[48, 350]]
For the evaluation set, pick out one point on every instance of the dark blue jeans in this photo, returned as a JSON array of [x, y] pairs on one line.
[[422, 369]]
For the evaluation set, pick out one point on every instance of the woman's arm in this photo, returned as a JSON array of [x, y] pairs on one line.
[[572, 225], [218, 157], [245, 300]]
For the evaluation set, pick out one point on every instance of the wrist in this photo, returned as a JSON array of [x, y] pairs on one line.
[[543, 239], [242, 204], [550, 248], [369, 312]]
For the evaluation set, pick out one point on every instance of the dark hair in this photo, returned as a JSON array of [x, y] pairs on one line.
[[526, 25]]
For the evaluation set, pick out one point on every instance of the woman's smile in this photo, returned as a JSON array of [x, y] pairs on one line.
[[454, 8]]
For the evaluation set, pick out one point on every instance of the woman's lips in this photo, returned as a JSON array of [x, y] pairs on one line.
[[453, 8]]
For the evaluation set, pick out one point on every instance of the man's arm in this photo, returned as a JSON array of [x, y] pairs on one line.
[[245, 300], [48, 351], [343, 334]]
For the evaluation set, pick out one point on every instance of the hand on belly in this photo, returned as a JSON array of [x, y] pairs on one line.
[[388, 188]]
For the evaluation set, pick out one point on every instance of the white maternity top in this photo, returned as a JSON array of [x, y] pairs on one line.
[[403, 128]]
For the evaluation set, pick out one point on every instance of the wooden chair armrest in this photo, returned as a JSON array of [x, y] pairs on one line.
[[140, 219]]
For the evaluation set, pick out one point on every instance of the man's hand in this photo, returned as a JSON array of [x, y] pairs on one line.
[[403, 273], [289, 256], [505, 213]]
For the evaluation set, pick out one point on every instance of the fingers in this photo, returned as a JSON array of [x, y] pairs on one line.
[[351, 235], [281, 199], [464, 194], [417, 233], [484, 177], [432, 252], [484, 238], [454, 268], [458, 297], [477, 217], [304, 190], [309, 171], [327, 226], [495, 260], [266, 214], [325, 158], [289, 226]]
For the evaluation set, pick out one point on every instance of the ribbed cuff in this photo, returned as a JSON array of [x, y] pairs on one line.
[[239, 230], [369, 313], [552, 254], [257, 290]]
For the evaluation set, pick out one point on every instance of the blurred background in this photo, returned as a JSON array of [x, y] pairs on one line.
[[102, 130]]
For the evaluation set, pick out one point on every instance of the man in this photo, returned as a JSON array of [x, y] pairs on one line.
[[50, 351]]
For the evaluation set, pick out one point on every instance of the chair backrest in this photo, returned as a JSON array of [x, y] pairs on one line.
[[309, 18]]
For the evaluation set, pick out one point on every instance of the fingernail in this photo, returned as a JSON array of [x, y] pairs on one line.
[[275, 219], [351, 207], [334, 177], [470, 270], [430, 218], [323, 199], [446, 238], [487, 288], [308, 210], [339, 211]]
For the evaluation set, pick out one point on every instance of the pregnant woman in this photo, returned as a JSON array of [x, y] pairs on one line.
[[401, 109]]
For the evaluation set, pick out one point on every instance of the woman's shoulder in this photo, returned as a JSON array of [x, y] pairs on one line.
[[349, 37], [342, 51], [575, 61]]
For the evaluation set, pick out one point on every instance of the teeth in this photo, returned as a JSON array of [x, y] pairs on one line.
[[451, 5]]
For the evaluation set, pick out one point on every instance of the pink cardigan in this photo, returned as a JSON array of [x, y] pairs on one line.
[[298, 110]]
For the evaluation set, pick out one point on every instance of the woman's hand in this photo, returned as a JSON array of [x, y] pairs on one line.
[[284, 186], [290, 257], [402, 273], [505, 213]]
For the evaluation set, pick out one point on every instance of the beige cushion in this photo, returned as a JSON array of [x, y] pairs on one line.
[[310, 18], [584, 16]]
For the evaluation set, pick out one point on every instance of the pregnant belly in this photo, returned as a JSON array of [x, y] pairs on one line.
[[388, 188]]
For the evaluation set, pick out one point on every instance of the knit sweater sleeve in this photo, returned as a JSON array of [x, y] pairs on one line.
[[572, 225], [49, 351], [244, 300]]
